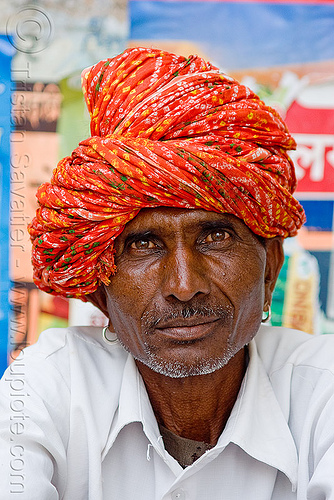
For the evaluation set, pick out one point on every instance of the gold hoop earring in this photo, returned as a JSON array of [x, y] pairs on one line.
[[266, 315], [105, 329]]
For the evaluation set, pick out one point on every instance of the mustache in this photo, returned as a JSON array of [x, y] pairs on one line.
[[151, 319]]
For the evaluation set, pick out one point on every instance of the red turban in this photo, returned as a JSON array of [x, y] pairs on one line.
[[166, 131]]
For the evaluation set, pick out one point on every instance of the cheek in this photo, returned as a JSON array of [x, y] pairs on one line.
[[250, 307], [121, 301], [241, 279], [134, 281], [240, 275], [124, 322], [127, 299], [252, 286]]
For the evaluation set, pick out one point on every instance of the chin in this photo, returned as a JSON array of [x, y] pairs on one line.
[[182, 369]]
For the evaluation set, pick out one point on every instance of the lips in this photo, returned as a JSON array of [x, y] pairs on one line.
[[187, 330]]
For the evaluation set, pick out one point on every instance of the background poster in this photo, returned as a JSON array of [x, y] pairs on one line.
[[6, 53], [240, 34]]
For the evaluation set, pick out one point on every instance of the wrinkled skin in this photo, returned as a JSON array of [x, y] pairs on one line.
[[187, 298], [189, 290]]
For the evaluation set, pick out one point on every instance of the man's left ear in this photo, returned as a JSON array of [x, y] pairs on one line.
[[274, 262]]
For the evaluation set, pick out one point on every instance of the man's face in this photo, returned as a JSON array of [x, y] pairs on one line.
[[189, 289]]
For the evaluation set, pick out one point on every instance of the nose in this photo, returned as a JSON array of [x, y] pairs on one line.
[[184, 276]]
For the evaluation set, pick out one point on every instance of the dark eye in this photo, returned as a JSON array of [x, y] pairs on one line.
[[217, 236], [142, 244]]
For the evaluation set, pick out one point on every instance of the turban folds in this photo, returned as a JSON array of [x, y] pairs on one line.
[[165, 131]]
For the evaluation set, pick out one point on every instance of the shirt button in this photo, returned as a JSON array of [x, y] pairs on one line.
[[178, 494]]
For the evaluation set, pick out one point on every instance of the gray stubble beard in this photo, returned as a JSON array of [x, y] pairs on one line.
[[175, 369]]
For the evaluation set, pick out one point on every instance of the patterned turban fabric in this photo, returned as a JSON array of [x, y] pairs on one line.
[[166, 131]]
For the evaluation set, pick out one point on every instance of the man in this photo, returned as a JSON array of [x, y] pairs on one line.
[[170, 218]]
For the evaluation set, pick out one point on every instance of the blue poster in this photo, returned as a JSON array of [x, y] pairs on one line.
[[6, 53], [238, 34]]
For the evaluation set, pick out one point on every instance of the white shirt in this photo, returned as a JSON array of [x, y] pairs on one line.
[[76, 424]]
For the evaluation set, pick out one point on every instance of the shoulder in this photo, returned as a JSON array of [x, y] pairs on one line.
[[300, 368], [59, 345], [63, 392], [62, 357], [55, 339], [279, 346]]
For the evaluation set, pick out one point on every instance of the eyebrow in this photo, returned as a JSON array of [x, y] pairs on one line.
[[140, 234], [202, 226], [216, 224]]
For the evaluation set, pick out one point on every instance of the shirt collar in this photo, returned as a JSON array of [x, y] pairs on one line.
[[134, 406], [256, 424]]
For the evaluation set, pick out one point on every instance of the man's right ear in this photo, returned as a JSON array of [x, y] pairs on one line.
[[99, 299]]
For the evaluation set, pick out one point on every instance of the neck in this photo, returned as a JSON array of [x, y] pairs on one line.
[[195, 407]]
